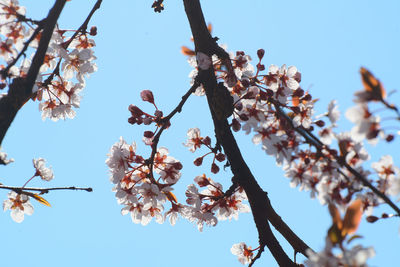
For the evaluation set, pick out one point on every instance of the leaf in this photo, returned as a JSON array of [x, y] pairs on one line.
[[335, 214], [354, 237], [372, 84], [209, 28], [187, 51], [352, 218], [335, 235], [295, 101], [41, 200], [171, 197]]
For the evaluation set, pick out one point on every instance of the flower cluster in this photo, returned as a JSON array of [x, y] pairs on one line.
[[18, 201], [142, 196], [68, 61], [280, 115], [195, 141], [145, 196]]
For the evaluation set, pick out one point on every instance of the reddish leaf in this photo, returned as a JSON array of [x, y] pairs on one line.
[[187, 51], [372, 85], [41, 200], [171, 197], [352, 218], [335, 214]]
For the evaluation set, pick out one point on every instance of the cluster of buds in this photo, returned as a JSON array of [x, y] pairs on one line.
[[195, 141]]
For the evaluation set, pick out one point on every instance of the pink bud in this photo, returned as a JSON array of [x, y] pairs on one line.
[[207, 141], [260, 53], [148, 134], [220, 157], [236, 125], [93, 31], [147, 95], [214, 168], [372, 219], [178, 165], [198, 161], [320, 123]]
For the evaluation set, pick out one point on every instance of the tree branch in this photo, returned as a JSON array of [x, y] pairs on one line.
[[20, 190], [258, 199], [21, 89]]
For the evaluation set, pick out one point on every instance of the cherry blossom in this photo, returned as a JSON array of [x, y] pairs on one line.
[[41, 170], [356, 256], [194, 139], [333, 112], [120, 154], [55, 89], [389, 175], [366, 126], [3, 158], [19, 205], [244, 253]]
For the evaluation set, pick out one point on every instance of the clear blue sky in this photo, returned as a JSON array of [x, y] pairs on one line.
[[138, 49]]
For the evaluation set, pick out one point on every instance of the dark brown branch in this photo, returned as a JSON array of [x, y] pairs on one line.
[[258, 199], [21, 89]]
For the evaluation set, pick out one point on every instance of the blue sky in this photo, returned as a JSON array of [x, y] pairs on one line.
[[138, 49]]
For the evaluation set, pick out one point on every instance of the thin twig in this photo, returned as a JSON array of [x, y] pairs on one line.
[[314, 141], [166, 121], [4, 72], [20, 190], [258, 255], [81, 29]]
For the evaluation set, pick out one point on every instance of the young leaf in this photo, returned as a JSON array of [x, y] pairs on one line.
[[335, 214], [187, 51], [352, 217], [372, 85], [41, 200], [354, 237], [171, 197], [335, 235]]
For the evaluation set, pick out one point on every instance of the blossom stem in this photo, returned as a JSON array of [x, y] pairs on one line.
[[30, 179]]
